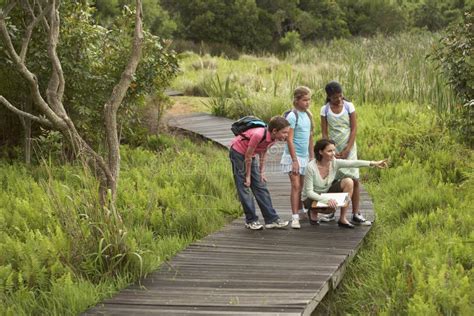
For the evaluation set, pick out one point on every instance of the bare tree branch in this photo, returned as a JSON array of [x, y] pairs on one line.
[[121, 88], [118, 93], [29, 31], [55, 90], [45, 21], [21, 113], [30, 78]]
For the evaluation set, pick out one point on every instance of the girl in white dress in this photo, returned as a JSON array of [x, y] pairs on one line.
[[339, 123]]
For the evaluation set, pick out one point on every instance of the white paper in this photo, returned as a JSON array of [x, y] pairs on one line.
[[341, 199]]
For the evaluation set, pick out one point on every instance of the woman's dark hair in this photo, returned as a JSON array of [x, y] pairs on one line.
[[332, 88], [321, 145], [278, 123]]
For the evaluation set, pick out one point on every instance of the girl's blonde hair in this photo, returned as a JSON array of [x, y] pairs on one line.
[[300, 92]]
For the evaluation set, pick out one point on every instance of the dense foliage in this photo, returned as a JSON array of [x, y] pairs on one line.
[[456, 57], [92, 59], [156, 19], [260, 24], [59, 253]]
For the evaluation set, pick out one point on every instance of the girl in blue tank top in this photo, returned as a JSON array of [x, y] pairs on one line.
[[299, 148]]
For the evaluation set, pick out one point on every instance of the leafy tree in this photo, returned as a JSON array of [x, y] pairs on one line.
[[456, 57], [156, 19], [291, 41], [329, 16], [366, 17], [284, 14], [93, 59], [48, 88], [216, 21], [435, 15], [260, 24], [428, 14], [107, 9]]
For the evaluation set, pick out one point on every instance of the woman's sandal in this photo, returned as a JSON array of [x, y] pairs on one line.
[[345, 225], [312, 221]]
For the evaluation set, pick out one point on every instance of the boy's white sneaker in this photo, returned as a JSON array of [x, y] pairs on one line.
[[254, 225], [278, 223]]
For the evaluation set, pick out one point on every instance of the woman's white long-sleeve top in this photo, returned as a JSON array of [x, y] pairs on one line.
[[314, 185]]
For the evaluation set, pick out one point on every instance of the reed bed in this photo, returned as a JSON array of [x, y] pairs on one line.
[[378, 70]]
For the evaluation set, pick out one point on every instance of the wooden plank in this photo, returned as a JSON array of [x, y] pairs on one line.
[[134, 309]]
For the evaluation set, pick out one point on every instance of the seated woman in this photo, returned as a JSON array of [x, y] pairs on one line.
[[320, 178]]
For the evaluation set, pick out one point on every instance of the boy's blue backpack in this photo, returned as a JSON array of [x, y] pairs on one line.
[[245, 123]]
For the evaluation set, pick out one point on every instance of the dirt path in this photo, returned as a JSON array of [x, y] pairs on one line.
[[183, 105]]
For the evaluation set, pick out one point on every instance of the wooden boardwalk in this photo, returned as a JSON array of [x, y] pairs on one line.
[[236, 271]]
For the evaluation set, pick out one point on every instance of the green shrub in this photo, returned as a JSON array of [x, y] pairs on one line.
[[290, 42], [455, 56], [61, 252], [418, 256]]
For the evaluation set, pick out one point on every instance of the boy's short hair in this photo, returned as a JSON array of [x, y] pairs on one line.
[[278, 123]]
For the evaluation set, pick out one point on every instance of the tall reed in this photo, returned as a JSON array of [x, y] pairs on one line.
[[377, 70]]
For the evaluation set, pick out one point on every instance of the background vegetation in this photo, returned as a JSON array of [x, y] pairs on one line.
[[378, 70], [256, 25]]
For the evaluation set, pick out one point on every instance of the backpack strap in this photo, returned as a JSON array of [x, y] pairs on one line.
[[264, 136], [296, 115], [347, 108], [326, 109], [285, 115]]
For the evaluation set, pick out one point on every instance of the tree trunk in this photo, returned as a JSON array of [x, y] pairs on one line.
[[26, 122]]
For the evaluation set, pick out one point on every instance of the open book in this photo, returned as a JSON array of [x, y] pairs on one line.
[[342, 199]]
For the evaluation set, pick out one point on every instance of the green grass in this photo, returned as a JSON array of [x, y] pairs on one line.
[[378, 70], [418, 257], [61, 253]]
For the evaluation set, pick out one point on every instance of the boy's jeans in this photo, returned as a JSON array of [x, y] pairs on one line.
[[259, 189]]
